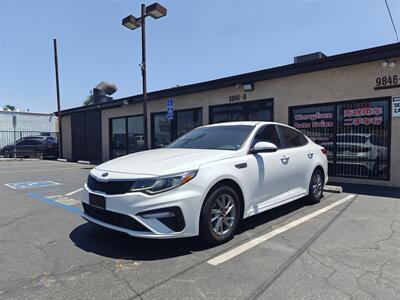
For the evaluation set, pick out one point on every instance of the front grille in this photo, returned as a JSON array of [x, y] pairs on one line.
[[113, 218], [109, 187]]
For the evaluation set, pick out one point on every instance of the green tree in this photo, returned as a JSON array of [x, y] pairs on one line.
[[89, 100], [9, 107]]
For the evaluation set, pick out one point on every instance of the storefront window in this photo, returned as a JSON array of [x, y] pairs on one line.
[[118, 137], [356, 135], [135, 134], [127, 135], [161, 130], [187, 120], [260, 110], [164, 131]]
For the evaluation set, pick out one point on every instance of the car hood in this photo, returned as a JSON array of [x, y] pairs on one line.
[[164, 161]]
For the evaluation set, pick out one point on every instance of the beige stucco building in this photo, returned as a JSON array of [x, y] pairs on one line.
[[343, 102]]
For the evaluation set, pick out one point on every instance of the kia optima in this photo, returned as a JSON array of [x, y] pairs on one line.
[[205, 182]]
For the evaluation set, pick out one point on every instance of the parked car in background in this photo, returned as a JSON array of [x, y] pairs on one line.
[[359, 150], [206, 181], [32, 146]]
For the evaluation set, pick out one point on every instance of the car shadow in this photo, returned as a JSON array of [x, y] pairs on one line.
[[108, 243], [369, 190]]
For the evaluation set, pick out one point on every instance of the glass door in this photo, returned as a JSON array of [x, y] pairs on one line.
[[126, 135]]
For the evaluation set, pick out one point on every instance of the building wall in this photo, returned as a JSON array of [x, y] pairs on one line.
[[28, 122], [67, 137], [339, 84]]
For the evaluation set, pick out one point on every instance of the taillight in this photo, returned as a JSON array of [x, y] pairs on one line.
[[324, 151]]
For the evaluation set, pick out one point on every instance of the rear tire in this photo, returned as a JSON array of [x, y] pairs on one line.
[[316, 187], [220, 215], [39, 154]]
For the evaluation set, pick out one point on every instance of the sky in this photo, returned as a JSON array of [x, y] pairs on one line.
[[197, 41]]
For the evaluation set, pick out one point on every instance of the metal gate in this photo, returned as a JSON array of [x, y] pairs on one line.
[[355, 133]]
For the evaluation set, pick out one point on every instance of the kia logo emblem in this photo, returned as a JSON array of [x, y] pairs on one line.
[[104, 174]]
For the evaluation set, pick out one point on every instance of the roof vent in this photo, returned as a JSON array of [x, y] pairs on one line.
[[101, 91], [308, 57]]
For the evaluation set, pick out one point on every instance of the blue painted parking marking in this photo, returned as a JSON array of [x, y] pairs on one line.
[[30, 184], [42, 198]]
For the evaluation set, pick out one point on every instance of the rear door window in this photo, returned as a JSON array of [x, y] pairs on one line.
[[292, 137]]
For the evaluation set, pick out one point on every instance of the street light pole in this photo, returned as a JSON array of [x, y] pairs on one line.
[[144, 75], [155, 11]]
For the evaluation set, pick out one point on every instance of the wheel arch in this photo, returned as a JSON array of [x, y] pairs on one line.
[[233, 184], [321, 168]]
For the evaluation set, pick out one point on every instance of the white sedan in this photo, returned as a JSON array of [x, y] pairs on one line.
[[206, 181]]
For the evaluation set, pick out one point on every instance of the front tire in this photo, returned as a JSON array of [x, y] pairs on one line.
[[316, 187], [220, 215]]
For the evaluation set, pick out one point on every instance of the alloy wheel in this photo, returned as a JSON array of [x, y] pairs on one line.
[[223, 214], [317, 185]]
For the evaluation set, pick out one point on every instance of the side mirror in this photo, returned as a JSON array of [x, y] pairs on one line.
[[264, 147]]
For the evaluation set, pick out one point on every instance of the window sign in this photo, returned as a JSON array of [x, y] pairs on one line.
[[313, 120], [368, 116], [396, 107]]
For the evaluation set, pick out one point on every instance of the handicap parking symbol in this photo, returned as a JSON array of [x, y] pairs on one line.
[[30, 184]]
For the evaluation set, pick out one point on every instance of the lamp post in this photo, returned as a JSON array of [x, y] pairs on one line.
[[155, 11]]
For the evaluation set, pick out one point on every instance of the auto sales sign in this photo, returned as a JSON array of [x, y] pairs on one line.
[[396, 107]]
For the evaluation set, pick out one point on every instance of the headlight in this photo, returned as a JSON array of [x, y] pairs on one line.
[[162, 184]]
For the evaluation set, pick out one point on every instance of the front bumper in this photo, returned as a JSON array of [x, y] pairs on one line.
[[124, 212]]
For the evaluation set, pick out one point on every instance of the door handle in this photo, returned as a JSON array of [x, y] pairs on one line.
[[310, 154], [285, 159]]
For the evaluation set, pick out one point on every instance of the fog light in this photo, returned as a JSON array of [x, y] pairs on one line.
[[171, 217], [158, 215]]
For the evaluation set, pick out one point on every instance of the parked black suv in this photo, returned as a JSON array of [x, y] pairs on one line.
[[32, 146]]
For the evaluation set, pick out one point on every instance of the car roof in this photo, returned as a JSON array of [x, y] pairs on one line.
[[35, 137], [249, 123]]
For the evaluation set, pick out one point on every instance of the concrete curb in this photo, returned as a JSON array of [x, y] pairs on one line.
[[333, 189], [85, 162], [62, 159]]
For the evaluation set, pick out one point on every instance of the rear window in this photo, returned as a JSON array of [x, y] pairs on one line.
[[292, 137]]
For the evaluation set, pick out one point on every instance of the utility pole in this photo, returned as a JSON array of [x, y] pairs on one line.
[[60, 149]]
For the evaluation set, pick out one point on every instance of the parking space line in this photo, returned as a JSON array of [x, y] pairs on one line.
[[74, 192], [255, 242]]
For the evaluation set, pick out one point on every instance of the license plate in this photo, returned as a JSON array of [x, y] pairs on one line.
[[98, 201]]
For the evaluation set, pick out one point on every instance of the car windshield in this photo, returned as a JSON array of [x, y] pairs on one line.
[[222, 137], [351, 139]]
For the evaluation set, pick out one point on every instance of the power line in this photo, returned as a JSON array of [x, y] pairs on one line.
[[391, 19]]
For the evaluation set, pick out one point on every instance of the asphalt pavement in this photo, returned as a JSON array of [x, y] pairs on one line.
[[346, 247]]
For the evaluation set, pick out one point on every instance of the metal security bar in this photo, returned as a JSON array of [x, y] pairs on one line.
[[355, 133]]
